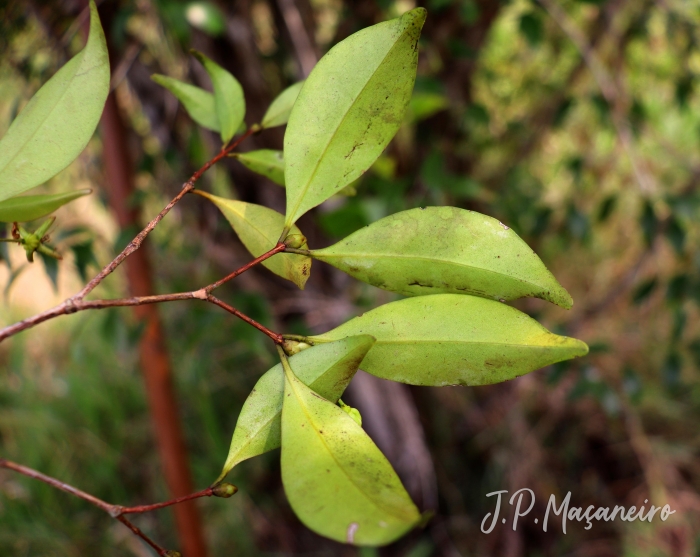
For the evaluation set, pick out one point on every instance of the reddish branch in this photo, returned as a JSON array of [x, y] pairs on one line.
[[117, 511]]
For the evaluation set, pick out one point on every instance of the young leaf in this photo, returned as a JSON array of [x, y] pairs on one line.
[[198, 103], [267, 162], [326, 368], [337, 481], [31, 207], [228, 97], [348, 110], [59, 120], [259, 228], [439, 250], [278, 112], [452, 339]]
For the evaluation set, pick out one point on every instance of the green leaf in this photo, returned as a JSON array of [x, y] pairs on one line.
[[259, 228], [267, 162], [198, 103], [439, 250], [30, 207], [337, 481], [452, 339], [326, 368], [228, 97], [278, 112], [59, 120], [348, 110]]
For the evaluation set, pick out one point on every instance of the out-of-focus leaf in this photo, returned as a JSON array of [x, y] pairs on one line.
[[206, 17], [452, 339], [51, 268], [259, 228], [671, 371], [84, 256], [228, 97], [198, 103], [532, 28], [425, 104], [337, 481], [607, 207], [348, 110], [439, 250], [280, 109], [327, 369], [30, 207], [677, 289], [59, 120], [268, 162], [675, 233], [649, 222], [644, 290]]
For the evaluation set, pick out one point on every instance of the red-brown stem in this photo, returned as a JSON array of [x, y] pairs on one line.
[[274, 336], [277, 249], [224, 151], [113, 510], [208, 492]]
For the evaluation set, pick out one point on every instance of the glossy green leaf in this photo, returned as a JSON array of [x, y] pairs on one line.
[[278, 112], [348, 110], [326, 368], [198, 103], [337, 481], [31, 207], [438, 250], [228, 97], [452, 339], [259, 228], [267, 162], [59, 120]]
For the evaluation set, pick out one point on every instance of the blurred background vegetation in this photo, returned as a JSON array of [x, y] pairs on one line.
[[577, 123]]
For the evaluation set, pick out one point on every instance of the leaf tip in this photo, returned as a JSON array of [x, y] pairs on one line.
[[415, 17]]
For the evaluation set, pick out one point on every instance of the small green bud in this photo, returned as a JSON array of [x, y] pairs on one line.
[[354, 413], [292, 347], [295, 241], [225, 490]]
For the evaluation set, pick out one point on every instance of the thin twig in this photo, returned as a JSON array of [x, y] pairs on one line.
[[274, 336], [113, 510], [76, 302]]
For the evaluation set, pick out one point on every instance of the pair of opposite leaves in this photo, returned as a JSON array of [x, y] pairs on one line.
[[53, 129], [336, 479]]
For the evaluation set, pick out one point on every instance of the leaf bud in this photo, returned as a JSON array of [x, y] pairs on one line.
[[224, 490], [295, 241], [292, 347]]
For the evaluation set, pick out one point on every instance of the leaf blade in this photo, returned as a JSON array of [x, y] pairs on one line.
[[455, 339], [437, 250], [327, 369], [268, 162], [198, 103], [259, 228], [228, 97], [337, 481], [66, 110], [349, 108], [279, 110], [31, 207]]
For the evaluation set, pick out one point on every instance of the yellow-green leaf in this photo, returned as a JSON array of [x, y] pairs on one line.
[[326, 368], [59, 120], [337, 481], [278, 112], [267, 162], [349, 108], [198, 103], [259, 228], [440, 250], [452, 339], [30, 207], [228, 97]]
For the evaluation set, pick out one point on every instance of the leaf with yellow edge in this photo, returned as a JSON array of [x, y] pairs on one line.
[[326, 368], [259, 228], [454, 339], [337, 481]]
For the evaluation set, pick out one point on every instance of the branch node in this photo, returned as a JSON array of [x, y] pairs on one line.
[[201, 294]]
